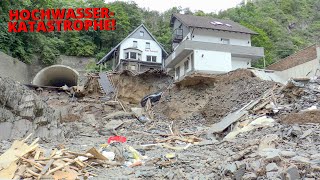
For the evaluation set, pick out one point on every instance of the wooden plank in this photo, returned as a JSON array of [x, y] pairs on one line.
[[18, 149], [45, 169]]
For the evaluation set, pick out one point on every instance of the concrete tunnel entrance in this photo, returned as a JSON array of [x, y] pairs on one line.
[[56, 75]]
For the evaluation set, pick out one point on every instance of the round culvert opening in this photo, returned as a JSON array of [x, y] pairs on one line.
[[56, 75]]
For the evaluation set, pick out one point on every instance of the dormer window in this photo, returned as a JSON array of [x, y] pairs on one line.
[[135, 44], [216, 23], [147, 45], [225, 41]]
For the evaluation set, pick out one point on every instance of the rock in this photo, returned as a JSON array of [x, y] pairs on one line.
[[266, 151], [296, 130], [306, 133], [272, 156], [301, 159], [288, 154], [255, 165], [240, 172], [230, 168], [315, 156], [315, 167], [272, 167], [249, 176], [292, 173], [113, 124], [272, 175], [90, 119]]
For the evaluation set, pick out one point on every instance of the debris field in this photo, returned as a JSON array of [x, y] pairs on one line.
[[228, 126]]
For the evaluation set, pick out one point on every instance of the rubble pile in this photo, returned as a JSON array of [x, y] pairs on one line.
[[209, 102], [23, 112], [229, 126], [295, 102]]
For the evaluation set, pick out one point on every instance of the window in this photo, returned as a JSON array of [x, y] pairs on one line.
[[139, 56], [186, 65], [178, 72], [147, 45], [154, 58], [135, 43], [133, 67], [133, 55], [141, 33], [126, 56], [225, 41]]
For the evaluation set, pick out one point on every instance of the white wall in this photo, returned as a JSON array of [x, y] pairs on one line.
[[214, 36], [155, 49], [212, 61], [182, 68], [240, 63], [308, 69]]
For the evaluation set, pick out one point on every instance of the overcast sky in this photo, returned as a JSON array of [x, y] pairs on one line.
[[204, 5]]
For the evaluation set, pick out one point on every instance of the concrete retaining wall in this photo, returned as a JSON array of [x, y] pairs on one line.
[[13, 68]]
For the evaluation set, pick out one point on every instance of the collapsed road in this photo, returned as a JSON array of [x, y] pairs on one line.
[[228, 126]]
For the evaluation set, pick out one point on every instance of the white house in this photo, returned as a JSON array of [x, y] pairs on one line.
[[139, 51], [208, 45]]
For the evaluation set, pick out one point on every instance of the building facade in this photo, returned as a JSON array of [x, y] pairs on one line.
[[208, 45], [302, 64], [139, 51]]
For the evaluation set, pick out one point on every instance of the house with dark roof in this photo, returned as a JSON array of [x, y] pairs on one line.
[[139, 52], [209, 45], [302, 64]]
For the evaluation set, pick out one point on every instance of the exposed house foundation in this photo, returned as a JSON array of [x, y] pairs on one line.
[[56, 75]]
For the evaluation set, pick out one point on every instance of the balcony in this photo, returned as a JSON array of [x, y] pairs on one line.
[[177, 35], [187, 46]]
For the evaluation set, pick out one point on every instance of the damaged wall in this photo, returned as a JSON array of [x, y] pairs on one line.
[[132, 88], [22, 112], [13, 68]]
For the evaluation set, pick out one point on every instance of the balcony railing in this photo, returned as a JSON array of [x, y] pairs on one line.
[[177, 35]]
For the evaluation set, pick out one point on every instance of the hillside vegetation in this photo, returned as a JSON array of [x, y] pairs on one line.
[[284, 26]]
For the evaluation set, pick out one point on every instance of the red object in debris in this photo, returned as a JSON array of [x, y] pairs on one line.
[[121, 139]]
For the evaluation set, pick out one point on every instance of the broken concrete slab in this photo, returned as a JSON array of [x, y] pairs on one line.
[[113, 124], [272, 167], [288, 154], [231, 118], [301, 159], [292, 173], [306, 133]]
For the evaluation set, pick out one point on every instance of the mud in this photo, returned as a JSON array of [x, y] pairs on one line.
[[133, 87], [212, 98], [302, 117]]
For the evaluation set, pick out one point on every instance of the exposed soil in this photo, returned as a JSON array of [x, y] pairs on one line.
[[213, 98], [133, 87], [302, 117]]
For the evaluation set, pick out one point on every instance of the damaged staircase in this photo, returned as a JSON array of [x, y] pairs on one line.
[[105, 83]]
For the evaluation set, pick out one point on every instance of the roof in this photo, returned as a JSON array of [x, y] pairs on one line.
[[110, 53], [305, 55], [210, 23]]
